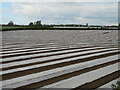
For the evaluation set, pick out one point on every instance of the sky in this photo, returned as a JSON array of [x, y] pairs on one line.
[[94, 13]]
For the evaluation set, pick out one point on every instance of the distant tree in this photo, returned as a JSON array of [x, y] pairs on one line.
[[31, 24], [11, 23], [34, 23], [87, 25], [38, 23], [119, 26]]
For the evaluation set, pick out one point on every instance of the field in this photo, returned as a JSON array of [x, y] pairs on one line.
[[50, 27], [5, 28], [69, 59]]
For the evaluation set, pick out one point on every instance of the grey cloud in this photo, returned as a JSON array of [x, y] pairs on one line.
[[67, 12]]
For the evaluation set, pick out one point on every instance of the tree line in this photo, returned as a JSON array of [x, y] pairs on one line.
[[37, 23]]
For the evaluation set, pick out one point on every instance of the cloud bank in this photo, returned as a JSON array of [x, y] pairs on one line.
[[103, 13]]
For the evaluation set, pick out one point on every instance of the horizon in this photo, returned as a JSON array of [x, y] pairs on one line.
[[22, 13]]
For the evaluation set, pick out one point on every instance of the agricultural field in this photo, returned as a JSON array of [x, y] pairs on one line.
[[12, 27], [67, 59]]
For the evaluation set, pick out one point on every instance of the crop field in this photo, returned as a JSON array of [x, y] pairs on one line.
[[12, 27], [70, 60]]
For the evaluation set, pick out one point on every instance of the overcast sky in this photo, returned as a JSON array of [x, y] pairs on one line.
[[99, 13]]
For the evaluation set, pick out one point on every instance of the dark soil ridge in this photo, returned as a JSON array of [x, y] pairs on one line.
[[99, 82], [21, 54], [66, 76], [40, 69], [35, 46], [41, 62], [34, 49], [41, 56]]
